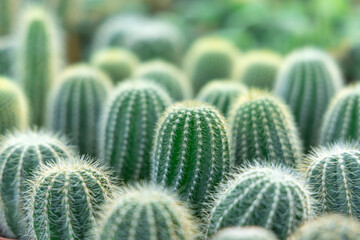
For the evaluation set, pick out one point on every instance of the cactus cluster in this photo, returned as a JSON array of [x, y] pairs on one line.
[[244, 233], [6, 57]]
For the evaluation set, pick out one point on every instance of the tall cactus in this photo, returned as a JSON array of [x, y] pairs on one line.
[[307, 81], [6, 57], [20, 155], [191, 153], [128, 125], [76, 105], [262, 128], [8, 9], [245, 233], [146, 213]]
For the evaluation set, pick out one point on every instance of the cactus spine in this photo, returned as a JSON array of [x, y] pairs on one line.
[[245, 233], [76, 105], [146, 213]]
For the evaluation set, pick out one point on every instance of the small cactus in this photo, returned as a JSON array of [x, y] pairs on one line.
[[307, 81], [266, 196], [6, 57], [244, 233], [146, 213], [128, 127], [221, 94], [76, 104], [262, 128], [20, 155], [191, 153], [8, 9]]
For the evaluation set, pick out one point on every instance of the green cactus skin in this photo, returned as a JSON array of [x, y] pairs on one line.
[[221, 94], [168, 76], [65, 198], [267, 196], [191, 152], [76, 105], [146, 213], [20, 155], [38, 59], [330, 227], [210, 59], [6, 57], [128, 128], [262, 128], [307, 81], [244, 233], [119, 64], [8, 9]]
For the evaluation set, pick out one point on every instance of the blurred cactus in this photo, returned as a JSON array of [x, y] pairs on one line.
[[8, 11], [350, 60], [244, 233], [6, 57]]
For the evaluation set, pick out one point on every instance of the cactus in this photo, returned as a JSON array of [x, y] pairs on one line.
[[245, 233], [127, 128], [38, 59], [8, 9], [146, 213], [349, 60], [262, 128], [64, 199], [307, 81], [221, 94], [6, 57], [167, 76], [20, 155], [268, 196], [119, 64], [209, 59], [191, 152]]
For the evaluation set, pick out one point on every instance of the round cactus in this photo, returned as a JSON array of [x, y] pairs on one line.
[[146, 213], [221, 94], [167, 76], [244, 233], [8, 9], [20, 155], [191, 152], [307, 81], [128, 127], [262, 128], [119, 64], [6, 57], [65, 198], [266, 196]]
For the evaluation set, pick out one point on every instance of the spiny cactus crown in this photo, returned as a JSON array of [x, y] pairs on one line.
[[244, 233]]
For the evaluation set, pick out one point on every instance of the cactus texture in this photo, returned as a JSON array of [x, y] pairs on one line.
[[64, 199], [38, 59], [76, 105], [167, 76], [119, 64], [8, 9], [262, 128], [20, 155], [191, 153], [307, 81], [128, 127], [6, 57], [209, 59], [145, 213], [221, 94], [267, 196], [244, 233]]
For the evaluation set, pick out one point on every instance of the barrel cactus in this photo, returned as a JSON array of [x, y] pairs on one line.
[[20, 155], [146, 213], [307, 81], [128, 127], [76, 104], [244, 233], [267, 196], [8, 9], [6, 57]]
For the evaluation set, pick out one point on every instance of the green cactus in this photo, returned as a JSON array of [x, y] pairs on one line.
[[167, 76], [221, 94], [244, 233], [20, 155], [191, 152], [76, 104], [119, 64], [128, 125], [6, 57], [307, 81], [267, 196], [8, 9], [146, 213], [262, 128], [65, 198]]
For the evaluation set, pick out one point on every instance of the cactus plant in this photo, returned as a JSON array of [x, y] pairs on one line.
[[20, 155], [268, 196], [76, 105], [262, 128], [127, 128], [167, 76], [307, 81], [221, 94], [349, 58], [64, 199], [244, 233], [6, 57], [8, 9], [146, 213], [191, 153]]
